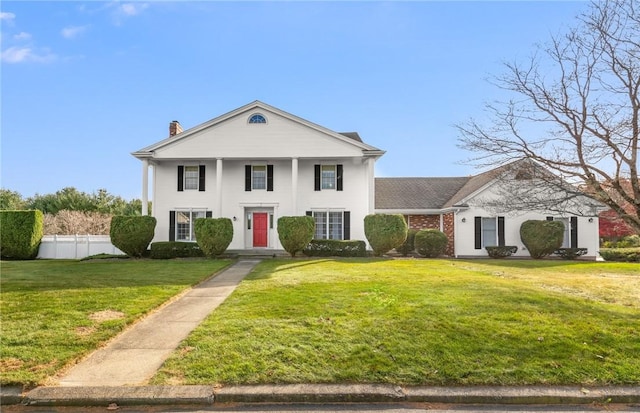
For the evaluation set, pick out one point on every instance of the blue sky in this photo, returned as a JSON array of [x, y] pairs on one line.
[[84, 84]]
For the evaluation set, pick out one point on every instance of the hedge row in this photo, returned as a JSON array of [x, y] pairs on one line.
[[621, 254], [20, 234], [335, 248], [175, 249]]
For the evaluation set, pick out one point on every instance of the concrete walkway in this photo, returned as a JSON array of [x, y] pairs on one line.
[[134, 356]]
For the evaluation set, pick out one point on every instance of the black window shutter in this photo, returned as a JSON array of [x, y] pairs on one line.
[[247, 177], [201, 173], [477, 222], [574, 232], [346, 225], [180, 178], [309, 213], [501, 231], [549, 218], [269, 177], [339, 177], [172, 225], [317, 177], [209, 214]]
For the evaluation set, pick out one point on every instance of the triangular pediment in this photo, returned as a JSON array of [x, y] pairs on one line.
[[258, 131]]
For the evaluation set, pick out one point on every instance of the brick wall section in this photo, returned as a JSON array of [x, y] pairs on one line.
[[433, 222]]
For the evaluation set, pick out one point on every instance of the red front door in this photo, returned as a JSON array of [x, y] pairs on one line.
[[260, 230]]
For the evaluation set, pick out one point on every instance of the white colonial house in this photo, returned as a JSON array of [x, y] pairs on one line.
[[486, 209], [258, 163], [254, 165]]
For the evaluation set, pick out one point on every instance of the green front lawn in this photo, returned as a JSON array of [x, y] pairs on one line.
[[431, 322], [55, 312]]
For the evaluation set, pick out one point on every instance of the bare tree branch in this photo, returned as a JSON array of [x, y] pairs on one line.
[[575, 111]]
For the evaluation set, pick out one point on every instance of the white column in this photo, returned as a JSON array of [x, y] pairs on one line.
[[145, 187], [371, 178], [218, 211], [294, 186]]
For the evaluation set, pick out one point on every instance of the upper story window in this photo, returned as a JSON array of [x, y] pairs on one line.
[[259, 177], [257, 118], [191, 177], [328, 177]]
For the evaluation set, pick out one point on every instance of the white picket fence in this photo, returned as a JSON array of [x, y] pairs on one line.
[[75, 246]]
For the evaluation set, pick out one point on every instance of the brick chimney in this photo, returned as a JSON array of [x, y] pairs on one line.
[[174, 128]]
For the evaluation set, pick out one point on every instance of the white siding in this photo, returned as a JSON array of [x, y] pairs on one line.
[[279, 138], [465, 231]]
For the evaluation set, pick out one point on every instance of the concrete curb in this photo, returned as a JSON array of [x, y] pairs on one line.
[[318, 393]]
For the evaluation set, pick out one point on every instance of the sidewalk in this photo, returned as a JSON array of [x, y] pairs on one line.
[[134, 356]]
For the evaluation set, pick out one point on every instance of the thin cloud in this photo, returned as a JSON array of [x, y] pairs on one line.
[[22, 36], [72, 31], [132, 9], [123, 11], [7, 16], [25, 54]]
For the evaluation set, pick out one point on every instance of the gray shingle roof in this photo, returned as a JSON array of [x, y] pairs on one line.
[[352, 135], [416, 193]]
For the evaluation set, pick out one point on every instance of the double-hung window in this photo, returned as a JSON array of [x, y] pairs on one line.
[[259, 177], [182, 224], [489, 232], [191, 177], [328, 177], [331, 224]]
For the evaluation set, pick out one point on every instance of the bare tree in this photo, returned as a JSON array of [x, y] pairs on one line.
[[575, 111]]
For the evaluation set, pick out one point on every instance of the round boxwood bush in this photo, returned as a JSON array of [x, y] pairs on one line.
[[295, 233], [431, 242], [408, 245], [213, 235], [385, 232], [541, 238], [132, 234]]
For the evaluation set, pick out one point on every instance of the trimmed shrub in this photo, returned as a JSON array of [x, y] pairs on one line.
[[175, 249], [621, 254], [501, 251], [20, 234], [541, 238], [630, 241], [213, 235], [570, 253], [335, 248], [385, 232], [132, 234], [408, 245], [431, 242], [295, 233]]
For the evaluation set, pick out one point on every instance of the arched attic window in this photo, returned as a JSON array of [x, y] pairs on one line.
[[257, 118]]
